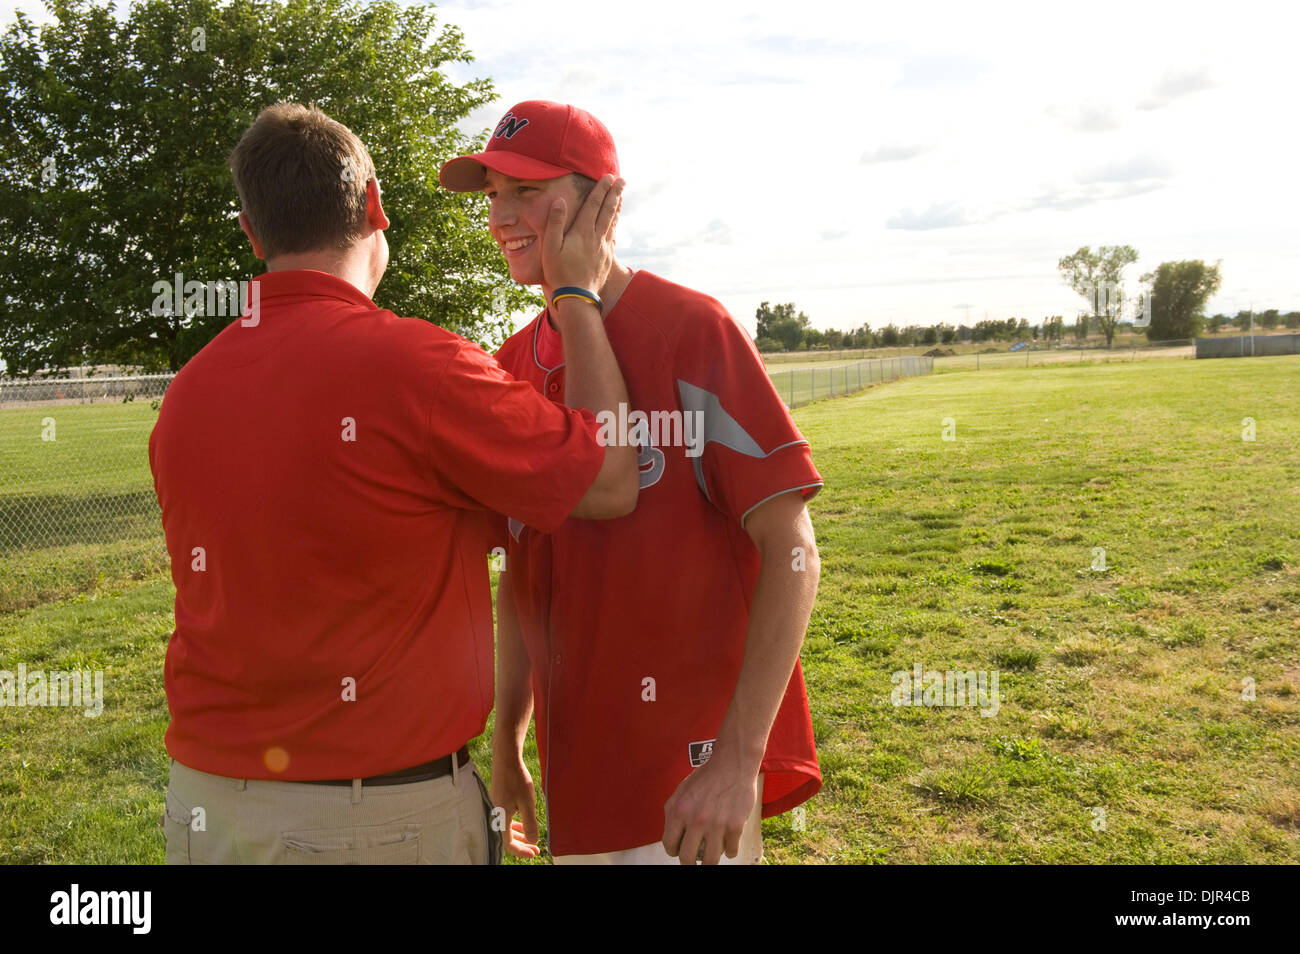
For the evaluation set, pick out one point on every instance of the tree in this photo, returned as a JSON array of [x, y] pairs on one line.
[[781, 324], [1053, 328], [1217, 323], [1178, 292], [889, 336], [1081, 328], [1096, 276], [1292, 319], [113, 144], [860, 337], [1269, 319]]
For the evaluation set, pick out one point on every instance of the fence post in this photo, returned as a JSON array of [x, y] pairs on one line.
[[791, 373]]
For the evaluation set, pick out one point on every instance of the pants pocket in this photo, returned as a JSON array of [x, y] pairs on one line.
[[375, 845], [495, 839], [176, 827]]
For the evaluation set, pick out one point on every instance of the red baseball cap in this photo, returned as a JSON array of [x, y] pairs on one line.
[[537, 140]]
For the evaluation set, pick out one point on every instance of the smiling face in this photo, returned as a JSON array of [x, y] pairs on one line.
[[518, 209]]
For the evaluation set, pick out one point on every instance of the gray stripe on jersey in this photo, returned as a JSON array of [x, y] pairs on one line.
[[719, 426]]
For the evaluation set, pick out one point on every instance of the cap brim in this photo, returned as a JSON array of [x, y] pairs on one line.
[[466, 173]]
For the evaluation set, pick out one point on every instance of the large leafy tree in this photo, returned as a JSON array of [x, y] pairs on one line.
[[780, 323], [113, 145], [1179, 291], [1096, 275]]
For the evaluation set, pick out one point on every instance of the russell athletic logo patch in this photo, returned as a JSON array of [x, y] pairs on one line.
[[700, 752], [509, 125]]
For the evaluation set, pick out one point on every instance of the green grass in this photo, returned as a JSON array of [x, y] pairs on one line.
[[1121, 689]]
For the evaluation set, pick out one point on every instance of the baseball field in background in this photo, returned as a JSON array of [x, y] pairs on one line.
[[1118, 540]]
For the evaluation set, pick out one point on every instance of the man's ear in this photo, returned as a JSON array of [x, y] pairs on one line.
[[248, 230], [374, 208]]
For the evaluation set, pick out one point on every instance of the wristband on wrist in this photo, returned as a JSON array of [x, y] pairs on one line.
[[573, 291]]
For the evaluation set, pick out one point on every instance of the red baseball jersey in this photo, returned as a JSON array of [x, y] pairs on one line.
[[635, 627], [328, 478]]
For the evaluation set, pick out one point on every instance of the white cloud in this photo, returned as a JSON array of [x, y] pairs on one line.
[[940, 70], [1177, 83], [1132, 169], [1088, 117], [942, 215], [892, 153]]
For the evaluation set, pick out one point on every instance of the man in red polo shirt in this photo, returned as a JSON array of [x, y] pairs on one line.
[[661, 649], [326, 472]]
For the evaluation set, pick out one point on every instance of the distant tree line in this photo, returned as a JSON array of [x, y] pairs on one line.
[[1168, 307], [1268, 320], [781, 328]]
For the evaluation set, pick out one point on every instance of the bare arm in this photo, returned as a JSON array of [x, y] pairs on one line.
[[778, 620], [711, 805], [514, 693], [582, 256], [593, 380], [512, 786]]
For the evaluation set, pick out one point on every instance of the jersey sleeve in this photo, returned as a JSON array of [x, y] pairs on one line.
[[752, 450], [496, 444]]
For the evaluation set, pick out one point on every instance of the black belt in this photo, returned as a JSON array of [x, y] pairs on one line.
[[416, 773]]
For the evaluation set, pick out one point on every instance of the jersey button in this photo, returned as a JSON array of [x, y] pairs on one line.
[[554, 387]]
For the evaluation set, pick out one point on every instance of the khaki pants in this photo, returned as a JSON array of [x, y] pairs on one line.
[[214, 820]]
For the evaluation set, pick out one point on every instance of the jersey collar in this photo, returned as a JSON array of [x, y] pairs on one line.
[[307, 282], [544, 318]]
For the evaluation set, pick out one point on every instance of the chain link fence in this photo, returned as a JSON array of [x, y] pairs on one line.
[[77, 504], [1032, 356], [801, 385]]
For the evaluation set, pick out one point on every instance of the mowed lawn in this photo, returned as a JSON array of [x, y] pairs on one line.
[[1149, 711]]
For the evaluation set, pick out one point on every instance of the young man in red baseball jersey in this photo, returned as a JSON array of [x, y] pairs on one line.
[[661, 648]]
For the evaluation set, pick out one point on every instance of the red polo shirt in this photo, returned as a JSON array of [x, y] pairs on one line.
[[325, 477]]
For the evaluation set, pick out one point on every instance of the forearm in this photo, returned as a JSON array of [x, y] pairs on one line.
[[592, 377], [778, 619], [514, 692], [593, 381]]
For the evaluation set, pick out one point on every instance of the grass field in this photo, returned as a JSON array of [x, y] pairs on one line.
[[1122, 734]]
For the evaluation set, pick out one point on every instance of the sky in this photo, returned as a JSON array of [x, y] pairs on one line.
[[923, 162]]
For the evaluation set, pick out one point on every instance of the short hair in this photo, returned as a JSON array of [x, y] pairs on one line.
[[583, 185], [301, 178]]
